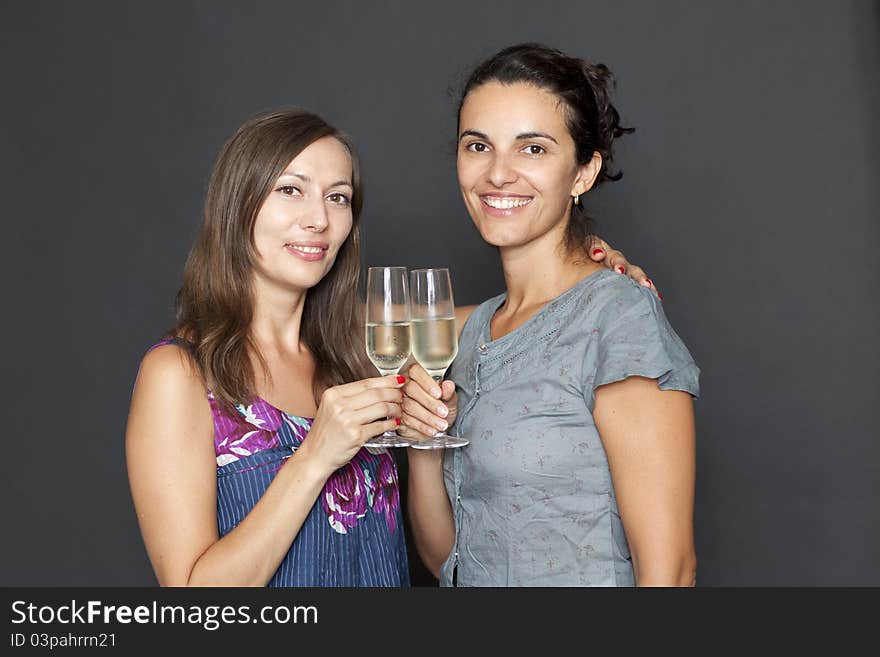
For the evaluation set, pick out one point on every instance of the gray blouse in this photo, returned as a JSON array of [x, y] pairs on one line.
[[532, 494]]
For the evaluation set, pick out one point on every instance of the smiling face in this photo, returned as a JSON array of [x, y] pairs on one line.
[[306, 218], [516, 164]]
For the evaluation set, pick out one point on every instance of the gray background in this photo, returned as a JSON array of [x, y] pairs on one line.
[[750, 195]]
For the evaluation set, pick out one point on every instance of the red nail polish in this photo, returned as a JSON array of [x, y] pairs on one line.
[[660, 296], [649, 282], [397, 421], [597, 251], [620, 269], [401, 379]]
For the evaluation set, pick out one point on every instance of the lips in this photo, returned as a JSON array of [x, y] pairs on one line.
[[308, 251]]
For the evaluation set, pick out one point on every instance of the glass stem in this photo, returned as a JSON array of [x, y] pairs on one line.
[[388, 373]]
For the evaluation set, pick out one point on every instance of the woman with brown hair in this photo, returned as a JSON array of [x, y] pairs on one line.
[[226, 489]]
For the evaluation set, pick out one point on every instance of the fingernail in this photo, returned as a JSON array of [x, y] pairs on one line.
[[436, 392], [598, 251], [660, 296], [619, 269], [397, 421], [401, 379], [441, 424], [442, 410], [649, 282]]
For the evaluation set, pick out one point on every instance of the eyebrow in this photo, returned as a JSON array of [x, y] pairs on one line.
[[535, 135], [519, 137], [473, 133], [306, 179]]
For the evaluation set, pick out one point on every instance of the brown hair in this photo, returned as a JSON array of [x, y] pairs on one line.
[[215, 304]]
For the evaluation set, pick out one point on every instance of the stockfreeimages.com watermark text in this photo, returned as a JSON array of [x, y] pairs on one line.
[[210, 617]]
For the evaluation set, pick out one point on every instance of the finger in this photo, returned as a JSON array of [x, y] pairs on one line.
[[638, 275], [448, 389], [618, 262], [414, 425], [419, 395], [450, 398], [375, 412], [413, 434], [375, 428], [599, 249], [418, 374], [424, 415], [650, 285], [375, 396], [357, 387]]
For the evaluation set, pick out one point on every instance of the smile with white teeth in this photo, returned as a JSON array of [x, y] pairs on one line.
[[306, 249], [505, 203]]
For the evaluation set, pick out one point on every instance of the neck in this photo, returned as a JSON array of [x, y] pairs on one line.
[[543, 269], [277, 319]]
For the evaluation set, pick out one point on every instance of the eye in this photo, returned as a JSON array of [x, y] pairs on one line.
[[534, 149], [477, 147], [338, 198], [289, 190]]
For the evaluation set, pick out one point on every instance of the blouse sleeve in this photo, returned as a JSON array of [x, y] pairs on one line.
[[635, 339]]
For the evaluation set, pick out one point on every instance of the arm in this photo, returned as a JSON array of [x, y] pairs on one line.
[[172, 473], [427, 408], [649, 437], [430, 512]]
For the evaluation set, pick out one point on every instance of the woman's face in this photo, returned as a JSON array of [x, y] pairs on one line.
[[516, 163], [305, 218]]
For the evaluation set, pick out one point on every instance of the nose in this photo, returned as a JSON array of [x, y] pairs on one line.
[[500, 171], [315, 217]]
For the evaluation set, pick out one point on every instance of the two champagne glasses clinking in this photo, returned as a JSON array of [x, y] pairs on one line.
[[422, 324]]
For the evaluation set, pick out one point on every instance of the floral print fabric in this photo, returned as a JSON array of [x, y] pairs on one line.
[[368, 483]]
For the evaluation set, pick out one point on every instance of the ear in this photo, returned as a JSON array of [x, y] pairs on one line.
[[587, 174]]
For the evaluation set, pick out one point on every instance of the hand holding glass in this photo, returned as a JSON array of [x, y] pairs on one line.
[[434, 335], [388, 331]]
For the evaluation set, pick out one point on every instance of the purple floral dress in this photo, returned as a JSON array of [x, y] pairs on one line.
[[353, 535]]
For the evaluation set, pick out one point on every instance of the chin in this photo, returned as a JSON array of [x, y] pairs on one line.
[[501, 236], [303, 279]]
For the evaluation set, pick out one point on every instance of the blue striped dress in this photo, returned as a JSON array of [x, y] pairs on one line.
[[353, 536]]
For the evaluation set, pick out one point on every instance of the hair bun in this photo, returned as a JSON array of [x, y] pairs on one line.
[[601, 81]]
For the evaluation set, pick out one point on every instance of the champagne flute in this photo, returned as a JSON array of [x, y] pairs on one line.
[[388, 336], [435, 338]]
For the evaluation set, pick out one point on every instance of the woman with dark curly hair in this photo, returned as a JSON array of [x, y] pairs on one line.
[[573, 389]]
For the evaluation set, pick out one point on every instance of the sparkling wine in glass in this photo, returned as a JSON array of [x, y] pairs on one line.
[[388, 336], [435, 338]]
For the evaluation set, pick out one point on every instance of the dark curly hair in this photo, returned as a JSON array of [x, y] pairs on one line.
[[585, 89]]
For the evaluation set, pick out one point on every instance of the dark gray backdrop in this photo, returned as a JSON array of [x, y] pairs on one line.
[[750, 196]]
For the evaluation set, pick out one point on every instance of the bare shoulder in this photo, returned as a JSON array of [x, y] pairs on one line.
[[461, 316], [169, 358], [169, 392], [169, 368]]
